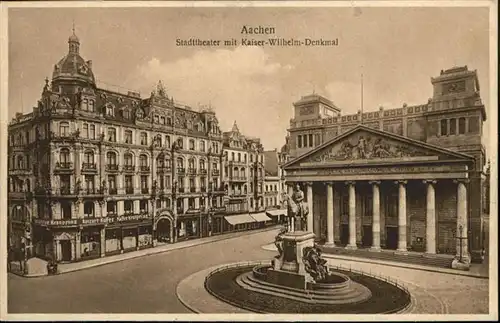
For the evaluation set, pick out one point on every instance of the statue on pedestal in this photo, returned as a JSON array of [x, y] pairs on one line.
[[298, 209]]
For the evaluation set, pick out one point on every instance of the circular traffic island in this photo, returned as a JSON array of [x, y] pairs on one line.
[[343, 292]]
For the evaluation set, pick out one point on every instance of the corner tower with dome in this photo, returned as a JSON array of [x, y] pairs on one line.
[[94, 172]]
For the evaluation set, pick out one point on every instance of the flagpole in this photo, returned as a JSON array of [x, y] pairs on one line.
[[361, 116]]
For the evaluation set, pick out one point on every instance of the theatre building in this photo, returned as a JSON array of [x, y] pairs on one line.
[[94, 172], [409, 179]]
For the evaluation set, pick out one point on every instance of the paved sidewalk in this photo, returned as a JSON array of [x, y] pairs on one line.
[[75, 266]]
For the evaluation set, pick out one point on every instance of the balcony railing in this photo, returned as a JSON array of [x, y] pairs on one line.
[[64, 166], [192, 171], [164, 168], [238, 178], [91, 191], [111, 167], [89, 166], [181, 170], [145, 190], [128, 168], [129, 190], [145, 168], [203, 171], [215, 172]]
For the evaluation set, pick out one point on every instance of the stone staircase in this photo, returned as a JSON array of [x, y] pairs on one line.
[[443, 261]]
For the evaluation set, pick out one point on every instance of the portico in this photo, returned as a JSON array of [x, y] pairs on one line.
[[376, 190]]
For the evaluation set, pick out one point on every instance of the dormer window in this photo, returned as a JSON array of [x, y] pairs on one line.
[[91, 105], [140, 113], [110, 111]]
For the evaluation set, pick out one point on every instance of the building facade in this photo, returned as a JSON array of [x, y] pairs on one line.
[[274, 184], [410, 178], [243, 179], [94, 172]]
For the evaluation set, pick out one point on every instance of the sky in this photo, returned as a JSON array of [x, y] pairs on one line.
[[397, 50]]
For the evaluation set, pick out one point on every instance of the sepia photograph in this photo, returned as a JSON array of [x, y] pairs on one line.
[[249, 160]]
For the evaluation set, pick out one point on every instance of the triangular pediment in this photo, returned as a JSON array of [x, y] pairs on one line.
[[363, 145]]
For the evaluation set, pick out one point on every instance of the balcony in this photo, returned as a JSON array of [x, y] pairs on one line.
[[129, 190], [238, 179], [63, 167], [91, 191], [192, 171], [215, 172], [203, 171], [111, 167], [164, 169], [144, 168], [89, 167], [144, 190], [128, 168], [237, 163], [181, 170], [113, 191]]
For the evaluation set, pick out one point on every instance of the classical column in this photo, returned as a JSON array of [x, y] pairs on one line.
[[462, 252], [402, 216], [329, 214], [352, 215], [430, 218], [375, 215], [310, 222]]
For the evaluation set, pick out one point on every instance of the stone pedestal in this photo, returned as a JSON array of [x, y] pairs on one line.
[[290, 262]]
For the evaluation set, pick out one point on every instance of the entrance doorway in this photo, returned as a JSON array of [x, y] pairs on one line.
[[367, 238], [344, 234], [392, 238], [163, 230], [65, 250]]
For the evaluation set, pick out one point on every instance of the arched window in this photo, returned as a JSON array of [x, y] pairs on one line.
[[91, 106], [64, 155], [180, 162], [128, 159], [202, 163], [191, 144], [239, 157], [242, 172], [28, 186], [20, 162], [140, 113], [88, 157], [236, 172], [158, 140], [64, 129], [167, 141], [143, 160], [126, 113], [144, 138], [180, 143], [160, 161], [168, 162], [191, 163], [202, 145], [85, 104], [110, 110], [111, 158]]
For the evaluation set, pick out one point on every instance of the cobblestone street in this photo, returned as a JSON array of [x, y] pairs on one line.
[[148, 284]]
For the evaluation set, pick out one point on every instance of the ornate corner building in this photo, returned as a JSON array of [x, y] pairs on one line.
[[93, 172], [407, 179]]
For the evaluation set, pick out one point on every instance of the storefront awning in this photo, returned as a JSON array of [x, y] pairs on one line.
[[239, 219], [260, 217], [276, 212]]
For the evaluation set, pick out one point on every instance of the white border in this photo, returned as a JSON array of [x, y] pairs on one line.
[[493, 129]]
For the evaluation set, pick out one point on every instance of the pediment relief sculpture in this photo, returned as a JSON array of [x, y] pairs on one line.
[[367, 147]]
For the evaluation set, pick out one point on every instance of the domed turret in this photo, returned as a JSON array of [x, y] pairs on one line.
[[73, 67]]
